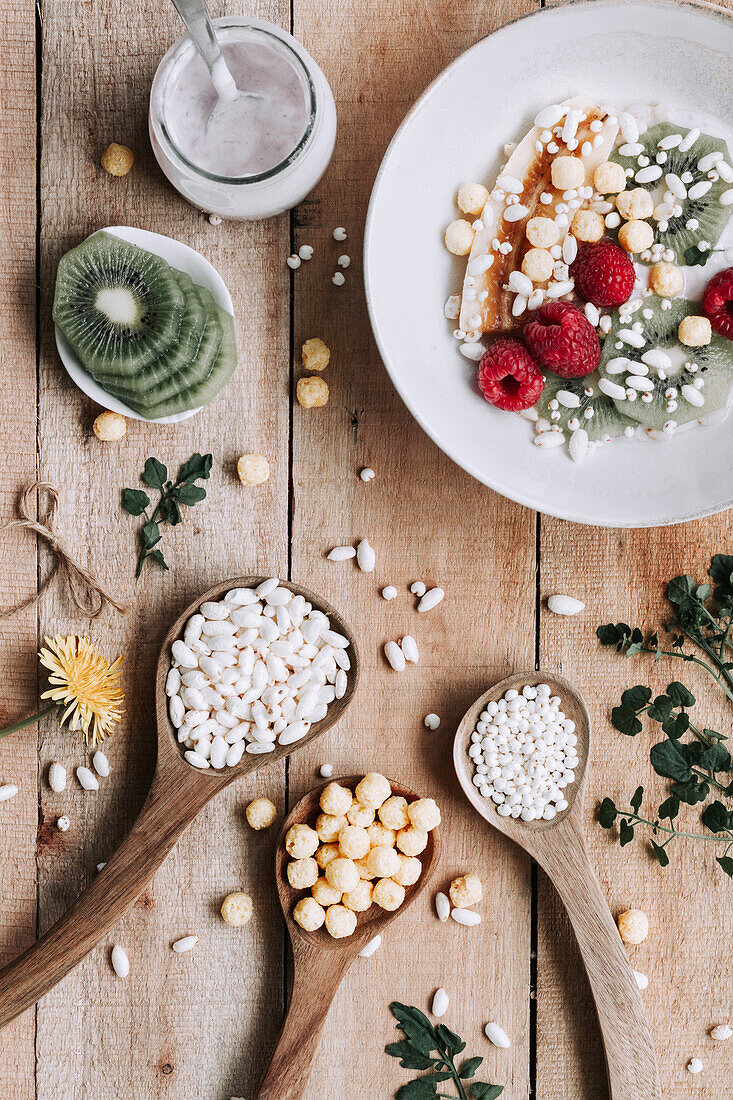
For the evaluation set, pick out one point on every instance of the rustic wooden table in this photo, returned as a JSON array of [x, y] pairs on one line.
[[76, 76]]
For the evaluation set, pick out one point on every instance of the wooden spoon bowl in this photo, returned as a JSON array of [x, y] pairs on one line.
[[177, 793], [319, 961], [559, 847]]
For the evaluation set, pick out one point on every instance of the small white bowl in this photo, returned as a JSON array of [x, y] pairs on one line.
[[181, 257]]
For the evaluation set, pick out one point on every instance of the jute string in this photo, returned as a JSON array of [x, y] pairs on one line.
[[84, 588]]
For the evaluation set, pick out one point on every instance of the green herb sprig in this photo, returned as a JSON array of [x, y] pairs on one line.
[[435, 1048], [168, 509]]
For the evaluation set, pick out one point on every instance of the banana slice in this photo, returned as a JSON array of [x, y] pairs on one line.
[[498, 247]]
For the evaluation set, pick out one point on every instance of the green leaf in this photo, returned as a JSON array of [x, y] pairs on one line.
[[636, 799], [660, 709], [607, 813], [679, 695], [481, 1091], [453, 1043], [416, 1026], [680, 589], [694, 257], [727, 864], [609, 634], [660, 853], [626, 832], [418, 1089], [676, 725], [716, 758], [716, 817], [669, 808], [625, 721], [173, 513], [636, 698], [669, 761], [135, 501], [155, 474], [150, 535], [692, 792], [469, 1067], [157, 556], [196, 467], [409, 1055], [190, 494]]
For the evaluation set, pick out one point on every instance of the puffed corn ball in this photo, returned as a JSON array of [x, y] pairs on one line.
[[409, 872], [388, 894], [360, 898], [311, 392], [542, 232], [666, 280], [424, 814], [362, 867], [237, 909], [340, 922], [465, 891], [412, 841], [117, 159], [383, 862], [633, 926], [587, 225], [567, 172], [360, 815], [354, 842], [636, 236], [309, 914], [472, 198], [336, 800], [109, 427], [636, 204], [301, 841], [537, 265], [393, 812], [328, 827], [325, 894], [695, 332], [342, 874], [459, 237], [302, 873], [315, 354], [373, 790], [609, 178], [326, 853], [260, 813], [380, 836], [253, 469]]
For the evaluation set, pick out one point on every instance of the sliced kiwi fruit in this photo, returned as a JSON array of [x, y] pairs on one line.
[[116, 304], [606, 421], [706, 370], [702, 219], [144, 330]]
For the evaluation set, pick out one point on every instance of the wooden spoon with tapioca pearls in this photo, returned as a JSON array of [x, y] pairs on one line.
[[320, 962], [559, 847], [177, 793]]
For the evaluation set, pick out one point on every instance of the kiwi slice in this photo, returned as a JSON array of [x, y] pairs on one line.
[[691, 220], [672, 373], [595, 412], [118, 305]]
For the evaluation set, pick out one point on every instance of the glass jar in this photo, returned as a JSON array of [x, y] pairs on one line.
[[269, 192]]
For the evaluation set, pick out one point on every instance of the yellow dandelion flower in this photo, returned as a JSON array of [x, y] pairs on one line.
[[85, 683]]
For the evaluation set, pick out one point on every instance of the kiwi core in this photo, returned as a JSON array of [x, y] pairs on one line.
[[119, 305]]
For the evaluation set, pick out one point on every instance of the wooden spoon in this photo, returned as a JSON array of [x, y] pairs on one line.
[[559, 848], [177, 794], [320, 962]]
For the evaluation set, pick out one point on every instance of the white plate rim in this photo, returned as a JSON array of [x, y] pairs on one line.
[[187, 259], [699, 6]]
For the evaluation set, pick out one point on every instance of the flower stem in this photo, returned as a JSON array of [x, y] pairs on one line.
[[655, 825], [28, 721]]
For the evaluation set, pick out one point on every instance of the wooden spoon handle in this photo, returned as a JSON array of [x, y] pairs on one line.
[[630, 1059], [317, 976], [166, 814]]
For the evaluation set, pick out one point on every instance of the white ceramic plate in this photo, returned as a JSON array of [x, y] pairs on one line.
[[621, 53], [177, 255]]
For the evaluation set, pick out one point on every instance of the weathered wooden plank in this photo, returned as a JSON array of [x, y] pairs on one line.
[[427, 520]]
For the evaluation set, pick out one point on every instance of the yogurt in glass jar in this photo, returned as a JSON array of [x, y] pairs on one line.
[[252, 156]]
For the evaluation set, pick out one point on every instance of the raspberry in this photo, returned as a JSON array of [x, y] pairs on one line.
[[562, 338], [603, 274], [508, 376], [718, 302]]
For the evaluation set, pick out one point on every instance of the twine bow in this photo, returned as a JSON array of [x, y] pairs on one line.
[[84, 588]]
